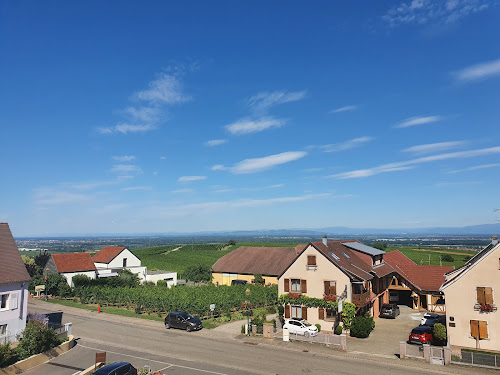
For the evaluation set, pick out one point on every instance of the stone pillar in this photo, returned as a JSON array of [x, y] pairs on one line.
[[402, 350], [427, 353], [447, 356], [254, 329], [343, 342], [268, 331], [286, 334]]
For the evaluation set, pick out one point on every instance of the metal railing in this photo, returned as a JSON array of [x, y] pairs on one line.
[[481, 359]]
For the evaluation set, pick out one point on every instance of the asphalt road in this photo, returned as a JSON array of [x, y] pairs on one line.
[[177, 352]]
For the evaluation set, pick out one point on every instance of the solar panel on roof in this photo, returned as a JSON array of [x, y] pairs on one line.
[[334, 256], [363, 248]]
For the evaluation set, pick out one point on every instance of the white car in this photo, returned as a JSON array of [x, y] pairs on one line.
[[300, 327]]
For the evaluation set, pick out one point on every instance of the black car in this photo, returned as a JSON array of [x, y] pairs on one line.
[[430, 319], [118, 368], [390, 310], [238, 282], [183, 320]]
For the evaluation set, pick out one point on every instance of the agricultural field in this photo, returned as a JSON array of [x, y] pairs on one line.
[[178, 258], [432, 256]]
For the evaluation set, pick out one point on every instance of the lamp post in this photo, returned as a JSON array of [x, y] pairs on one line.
[[247, 305]]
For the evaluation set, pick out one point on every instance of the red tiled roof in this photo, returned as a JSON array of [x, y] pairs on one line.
[[73, 262], [107, 254], [428, 278], [12, 267], [268, 261]]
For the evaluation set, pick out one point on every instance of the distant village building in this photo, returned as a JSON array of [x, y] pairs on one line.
[[14, 281]]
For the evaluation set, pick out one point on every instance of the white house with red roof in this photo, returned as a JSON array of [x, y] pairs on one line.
[[14, 280], [70, 265]]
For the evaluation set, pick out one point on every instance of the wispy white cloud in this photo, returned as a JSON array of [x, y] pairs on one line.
[[347, 108], [479, 71], [136, 188], [404, 165], [429, 11], [144, 114], [191, 178], [265, 100], [183, 191], [49, 196], [434, 147], [126, 128], [124, 158], [247, 126], [165, 89], [261, 164], [216, 142], [475, 168], [126, 168], [163, 158], [413, 121], [347, 145], [459, 183]]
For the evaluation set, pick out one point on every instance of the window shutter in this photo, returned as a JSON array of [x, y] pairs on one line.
[[333, 288], [304, 312], [287, 285], [311, 260], [483, 330], [474, 328], [488, 296], [13, 301], [321, 313], [303, 286], [287, 311], [480, 295], [327, 287]]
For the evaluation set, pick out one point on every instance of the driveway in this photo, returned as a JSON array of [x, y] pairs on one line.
[[388, 333]]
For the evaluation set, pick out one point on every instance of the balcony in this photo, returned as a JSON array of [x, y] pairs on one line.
[[362, 299]]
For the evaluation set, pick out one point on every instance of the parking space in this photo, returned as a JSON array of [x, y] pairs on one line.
[[388, 333]]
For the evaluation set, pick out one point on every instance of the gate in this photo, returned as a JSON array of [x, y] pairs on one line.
[[437, 355]]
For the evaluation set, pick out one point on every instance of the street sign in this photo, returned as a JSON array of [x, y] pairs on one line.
[[99, 357], [39, 288], [340, 306]]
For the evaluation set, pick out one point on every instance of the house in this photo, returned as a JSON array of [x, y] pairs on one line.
[[14, 280], [112, 259], [416, 285], [334, 270], [472, 296], [244, 262], [71, 264]]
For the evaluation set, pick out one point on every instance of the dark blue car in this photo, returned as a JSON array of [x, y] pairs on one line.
[[118, 368]]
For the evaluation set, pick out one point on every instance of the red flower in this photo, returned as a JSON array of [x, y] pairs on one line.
[[330, 298], [295, 296]]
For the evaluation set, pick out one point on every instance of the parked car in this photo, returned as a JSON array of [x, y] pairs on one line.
[[429, 319], [183, 320], [421, 335], [238, 282], [118, 368], [300, 327], [390, 310]]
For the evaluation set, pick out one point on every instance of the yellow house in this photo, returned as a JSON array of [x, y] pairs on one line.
[[472, 294], [245, 262]]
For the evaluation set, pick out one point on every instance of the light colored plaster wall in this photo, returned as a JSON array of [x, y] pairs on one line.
[[461, 296], [219, 279], [69, 276], [132, 260], [162, 276], [15, 318]]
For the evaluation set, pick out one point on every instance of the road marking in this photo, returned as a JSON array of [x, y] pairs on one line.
[[153, 360]]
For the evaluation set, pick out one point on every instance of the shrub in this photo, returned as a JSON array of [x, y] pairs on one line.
[[447, 258], [271, 309], [281, 310], [64, 290], [258, 279], [467, 258], [198, 273], [439, 334], [369, 316], [8, 355], [161, 283], [361, 327], [338, 330], [37, 338], [80, 280], [318, 326]]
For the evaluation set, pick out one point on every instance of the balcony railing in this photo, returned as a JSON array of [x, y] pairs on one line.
[[485, 308], [361, 299]]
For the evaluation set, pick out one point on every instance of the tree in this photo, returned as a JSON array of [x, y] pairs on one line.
[[30, 265], [258, 279], [42, 258], [37, 338], [199, 273], [231, 242], [380, 245], [447, 258]]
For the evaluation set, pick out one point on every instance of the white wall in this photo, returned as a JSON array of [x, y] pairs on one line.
[[14, 315], [69, 276], [117, 262], [162, 276]]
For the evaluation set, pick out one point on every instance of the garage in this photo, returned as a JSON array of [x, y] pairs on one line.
[[401, 297]]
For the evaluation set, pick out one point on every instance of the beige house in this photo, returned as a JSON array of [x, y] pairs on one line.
[[245, 262], [346, 270], [472, 295]]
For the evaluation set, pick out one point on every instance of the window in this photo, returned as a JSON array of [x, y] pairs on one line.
[[124, 262], [330, 314], [13, 301], [484, 295], [347, 256], [479, 329], [311, 260], [330, 288], [296, 285], [334, 256], [3, 301], [297, 312], [3, 329]]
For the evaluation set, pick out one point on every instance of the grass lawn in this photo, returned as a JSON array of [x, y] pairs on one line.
[[422, 257]]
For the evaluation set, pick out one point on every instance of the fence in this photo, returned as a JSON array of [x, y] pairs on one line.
[[414, 351], [60, 330], [338, 341], [481, 359]]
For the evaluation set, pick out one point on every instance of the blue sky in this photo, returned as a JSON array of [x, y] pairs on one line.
[[142, 117]]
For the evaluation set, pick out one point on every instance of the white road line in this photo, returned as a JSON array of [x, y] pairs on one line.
[[152, 360]]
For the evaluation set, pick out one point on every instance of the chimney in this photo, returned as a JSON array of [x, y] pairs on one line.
[[325, 240], [494, 240]]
